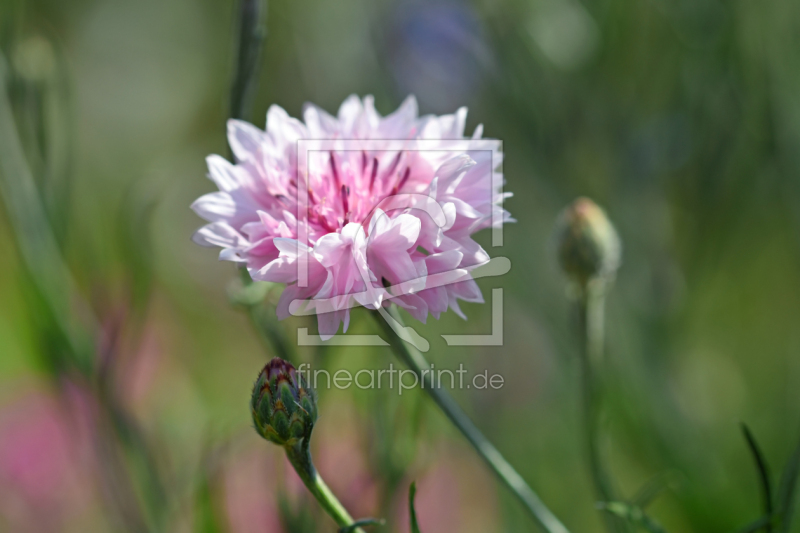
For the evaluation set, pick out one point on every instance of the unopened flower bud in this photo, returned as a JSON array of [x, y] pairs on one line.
[[587, 243], [283, 406]]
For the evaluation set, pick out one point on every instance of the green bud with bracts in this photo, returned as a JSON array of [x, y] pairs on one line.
[[588, 246], [283, 405], [284, 409]]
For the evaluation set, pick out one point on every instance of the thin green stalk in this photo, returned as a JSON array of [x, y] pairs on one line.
[[300, 458], [251, 35], [591, 305], [763, 474], [414, 359], [263, 318]]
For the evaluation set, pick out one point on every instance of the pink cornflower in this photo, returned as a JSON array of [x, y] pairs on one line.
[[383, 223]]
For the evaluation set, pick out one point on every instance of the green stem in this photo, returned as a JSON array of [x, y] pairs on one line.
[[251, 34], [414, 359], [265, 322], [591, 312], [300, 458]]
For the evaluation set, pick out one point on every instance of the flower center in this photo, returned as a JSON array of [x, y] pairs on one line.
[[347, 186]]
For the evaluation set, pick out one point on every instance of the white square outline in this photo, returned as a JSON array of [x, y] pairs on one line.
[[306, 146]]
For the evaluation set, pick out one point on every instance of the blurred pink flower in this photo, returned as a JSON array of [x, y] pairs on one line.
[[250, 493], [342, 458], [456, 495], [42, 481], [355, 248]]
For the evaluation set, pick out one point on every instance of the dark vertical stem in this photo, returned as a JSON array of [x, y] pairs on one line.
[[251, 32], [250, 35], [763, 474]]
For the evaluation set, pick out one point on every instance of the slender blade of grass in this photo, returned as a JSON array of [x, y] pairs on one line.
[[763, 473], [412, 513]]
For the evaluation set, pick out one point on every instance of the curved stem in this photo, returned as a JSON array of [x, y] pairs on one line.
[[300, 458], [414, 359], [591, 312]]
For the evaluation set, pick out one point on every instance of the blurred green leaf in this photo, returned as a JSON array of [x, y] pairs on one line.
[[763, 472], [136, 246], [207, 519], [632, 514], [757, 525], [786, 490], [40, 93], [650, 490], [412, 513], [34, 236], [296, 519]]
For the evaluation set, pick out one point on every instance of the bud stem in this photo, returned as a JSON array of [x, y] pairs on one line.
[[414, 359], [591, 303], [300, 458]]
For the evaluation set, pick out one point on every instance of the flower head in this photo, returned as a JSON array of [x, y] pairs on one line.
[[283, 406], [588, 244], [388, 222]]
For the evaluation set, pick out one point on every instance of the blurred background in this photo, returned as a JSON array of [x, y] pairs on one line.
[[123, 401]]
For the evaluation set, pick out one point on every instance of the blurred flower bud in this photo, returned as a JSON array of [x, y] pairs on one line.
[[284, 407], [587, 244]]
